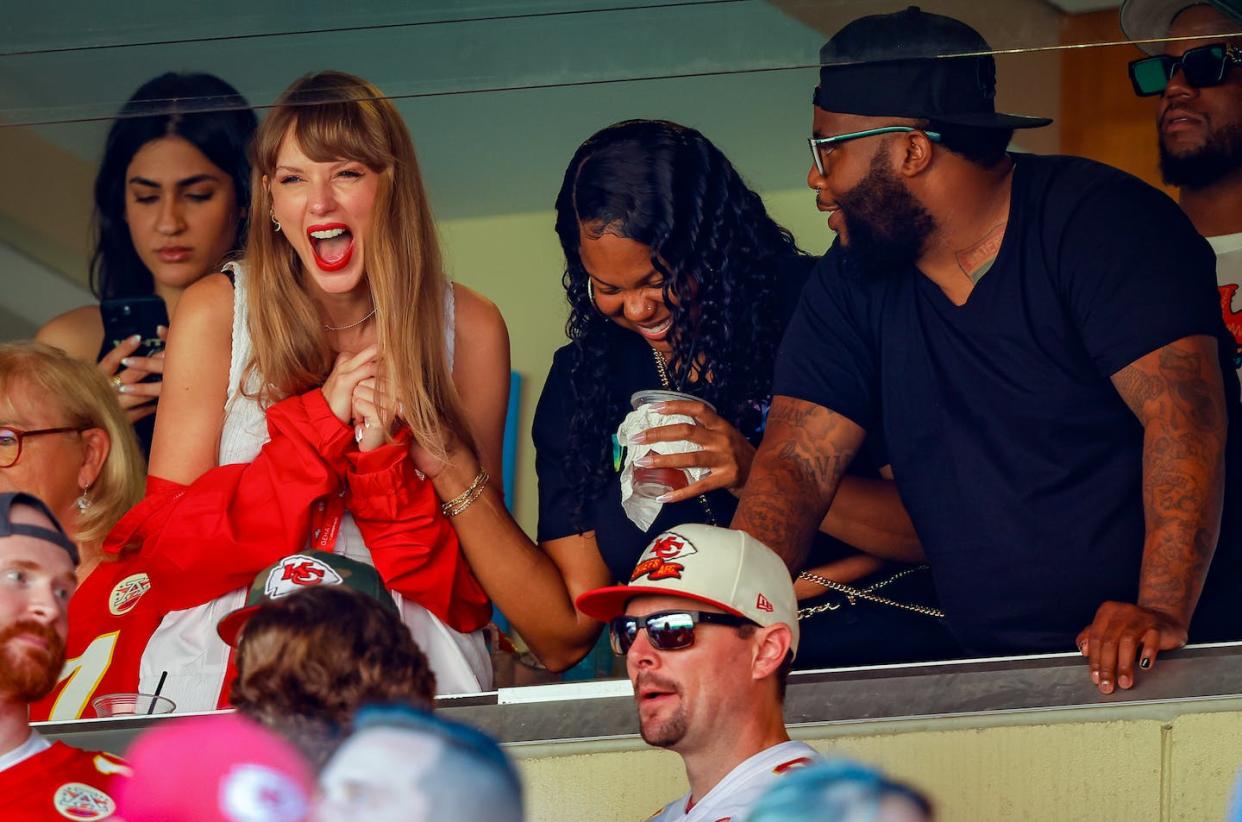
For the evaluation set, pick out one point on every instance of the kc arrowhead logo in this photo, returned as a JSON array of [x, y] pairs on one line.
[[658, 563], [297, 572]]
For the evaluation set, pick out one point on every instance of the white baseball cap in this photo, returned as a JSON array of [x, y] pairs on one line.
[[1151, 19], [717, 566]]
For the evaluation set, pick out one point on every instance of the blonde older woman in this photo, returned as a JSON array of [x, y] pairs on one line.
[[64, 438]]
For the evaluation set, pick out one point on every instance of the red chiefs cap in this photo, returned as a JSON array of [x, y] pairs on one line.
[[717, 566], [304, 570]]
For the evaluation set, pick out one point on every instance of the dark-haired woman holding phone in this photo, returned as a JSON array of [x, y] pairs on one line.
[[170, 206]]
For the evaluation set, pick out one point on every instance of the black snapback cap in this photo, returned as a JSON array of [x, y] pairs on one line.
[[913, 64], [8, 528]]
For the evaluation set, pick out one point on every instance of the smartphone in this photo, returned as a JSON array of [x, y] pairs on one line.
[[124, 317]]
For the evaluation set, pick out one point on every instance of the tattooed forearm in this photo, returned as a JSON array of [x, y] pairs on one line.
[[805, 450], [1178, 395]]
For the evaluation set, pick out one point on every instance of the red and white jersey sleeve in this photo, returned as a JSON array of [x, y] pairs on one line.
[[111, 619], [732, 797], [61, 783]]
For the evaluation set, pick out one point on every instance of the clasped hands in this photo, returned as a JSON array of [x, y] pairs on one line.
[[1122, 633], [354, 398], [724, 451]]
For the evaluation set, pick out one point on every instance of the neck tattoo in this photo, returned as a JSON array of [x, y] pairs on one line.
[[977, 260]]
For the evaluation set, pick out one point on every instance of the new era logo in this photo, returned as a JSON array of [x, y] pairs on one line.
[[763, 604]]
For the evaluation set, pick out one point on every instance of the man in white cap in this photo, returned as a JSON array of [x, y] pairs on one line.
[[1198, 123], [709, 627]]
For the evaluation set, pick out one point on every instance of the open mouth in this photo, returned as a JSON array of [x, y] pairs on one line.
[[332, 244], [656, 332]]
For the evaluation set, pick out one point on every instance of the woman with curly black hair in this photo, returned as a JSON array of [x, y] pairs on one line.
[[677, 279]]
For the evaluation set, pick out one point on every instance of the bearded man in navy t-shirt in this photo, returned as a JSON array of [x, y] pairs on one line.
[[1041, 341]]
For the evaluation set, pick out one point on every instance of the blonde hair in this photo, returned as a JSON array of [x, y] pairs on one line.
[[84, 399], [333, 115]]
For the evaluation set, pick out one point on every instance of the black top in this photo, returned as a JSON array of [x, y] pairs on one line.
[[632, 368], [1020, 464]]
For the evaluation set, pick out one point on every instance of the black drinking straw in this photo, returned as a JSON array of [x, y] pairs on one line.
[[159, 687]]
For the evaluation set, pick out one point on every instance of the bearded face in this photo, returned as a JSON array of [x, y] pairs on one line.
[[1217, 155], [31, 656], [886, 226]]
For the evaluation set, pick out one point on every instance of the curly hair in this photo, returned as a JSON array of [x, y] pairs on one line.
[[668, 187], [313, 658]]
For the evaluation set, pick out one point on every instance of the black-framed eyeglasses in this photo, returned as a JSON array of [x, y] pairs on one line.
[[1202, 66], [821, 147], [666, 630], [11, 440]]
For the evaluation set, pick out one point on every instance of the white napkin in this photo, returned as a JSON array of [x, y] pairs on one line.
[[643, 511]]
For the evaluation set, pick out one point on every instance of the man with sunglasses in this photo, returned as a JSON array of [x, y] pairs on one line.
[[40, 779], [708, 626], [1199, 122], [1042, 341]]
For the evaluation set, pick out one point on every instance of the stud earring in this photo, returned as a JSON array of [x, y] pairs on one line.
[[275, 222]]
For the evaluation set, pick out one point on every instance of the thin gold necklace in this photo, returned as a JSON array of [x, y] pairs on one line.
[[368, 316]]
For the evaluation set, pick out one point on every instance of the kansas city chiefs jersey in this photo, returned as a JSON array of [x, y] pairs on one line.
[[60, 782], [111, 618]]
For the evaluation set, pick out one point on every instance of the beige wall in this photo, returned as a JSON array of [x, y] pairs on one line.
[[1058, 767]]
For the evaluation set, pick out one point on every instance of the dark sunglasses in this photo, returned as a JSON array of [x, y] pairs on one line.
[[666, 630], [1202, 67]]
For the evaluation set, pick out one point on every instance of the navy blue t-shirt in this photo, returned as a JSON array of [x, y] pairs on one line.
[[1019, 462]]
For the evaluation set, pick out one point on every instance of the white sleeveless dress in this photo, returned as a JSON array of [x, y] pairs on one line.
[[186, 644]]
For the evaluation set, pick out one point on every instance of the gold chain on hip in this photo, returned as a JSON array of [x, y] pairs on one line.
[[667, 385], [868, 594]]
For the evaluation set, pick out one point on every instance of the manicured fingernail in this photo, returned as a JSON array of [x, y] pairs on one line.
[[1124, 682], [1095, 677], [127, 362], [162, 328], [122, 389], [644, 461], [1145, 663], [136, 338], [1106, 687], [659, 407], [664, 497], [638, 439]]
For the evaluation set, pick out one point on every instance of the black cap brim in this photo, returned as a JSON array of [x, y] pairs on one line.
[[993, 120]]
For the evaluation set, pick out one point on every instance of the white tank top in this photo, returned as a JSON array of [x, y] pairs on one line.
[[186, 644]]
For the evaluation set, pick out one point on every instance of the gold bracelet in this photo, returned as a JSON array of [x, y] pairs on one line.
[[466, 498]]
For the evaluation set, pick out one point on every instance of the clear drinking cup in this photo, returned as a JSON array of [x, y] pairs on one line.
[[656, 482], [132, 705]]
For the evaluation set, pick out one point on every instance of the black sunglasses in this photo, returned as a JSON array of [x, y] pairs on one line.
[[666, 630], [1202, 67]]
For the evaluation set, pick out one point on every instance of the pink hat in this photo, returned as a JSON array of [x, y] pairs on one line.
[[221, 768]]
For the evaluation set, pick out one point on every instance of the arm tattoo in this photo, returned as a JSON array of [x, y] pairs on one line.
[[805, 450], [1178, 395]]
